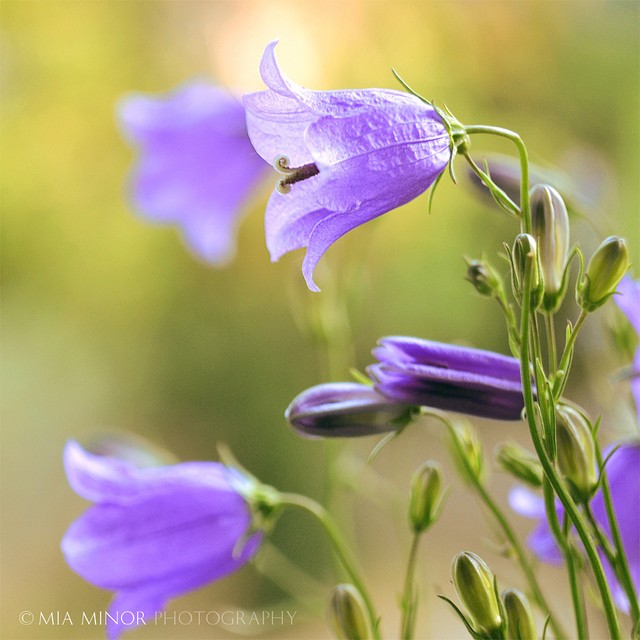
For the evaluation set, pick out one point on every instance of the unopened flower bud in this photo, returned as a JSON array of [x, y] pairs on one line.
[[467, 452], [483, 277], [347, 614], [346, 409], [520, 622], [550, 223], [520, 463], [475, 586], [524, 257], [605, 270], [427, 496], [576, 453]]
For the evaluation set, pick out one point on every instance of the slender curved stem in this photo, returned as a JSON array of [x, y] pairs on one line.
[[339, 546], [582, 627], [408, 597], [550, 471], [525, 206]]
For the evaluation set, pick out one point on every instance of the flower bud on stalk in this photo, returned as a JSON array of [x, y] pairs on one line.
[[520, 463], [467, 452], [525, 253], [475, 586], [484, 278], [550, 223], [520, 623], [427, 496], [576, 453], [347, 614], [605, 270]]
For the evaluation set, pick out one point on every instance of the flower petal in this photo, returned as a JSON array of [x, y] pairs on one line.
[[628, 300]]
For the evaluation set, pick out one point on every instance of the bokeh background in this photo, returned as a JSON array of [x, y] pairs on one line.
[[110, 325]]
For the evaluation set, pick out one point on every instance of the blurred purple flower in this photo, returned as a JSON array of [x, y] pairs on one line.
[[345, 409], [347, 157], [624, 482], [155, 533], [197, 168], [628, 300], [453, 378]]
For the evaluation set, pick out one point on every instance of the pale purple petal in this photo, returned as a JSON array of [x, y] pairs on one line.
[[526, 502], [628, 300], [155, 532], [373, 149], [197, 167]]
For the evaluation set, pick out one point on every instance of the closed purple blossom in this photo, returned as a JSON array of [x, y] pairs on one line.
[[345, 410], [347, 157], [155, 533], [624, 483], [444, 376], [197, 167], [628, 300]]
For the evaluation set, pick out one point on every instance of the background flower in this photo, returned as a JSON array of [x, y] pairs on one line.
[[197, 167], [368, 152], [155, 533], [628, 299]]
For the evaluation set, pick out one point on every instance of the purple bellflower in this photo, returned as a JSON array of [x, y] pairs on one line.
[[346, 157], [624, 483], [453, 378], [628, 300], [155, 533], [346, 409], [197, 168]]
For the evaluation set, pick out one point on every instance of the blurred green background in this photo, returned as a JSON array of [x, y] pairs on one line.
[[110, 324]]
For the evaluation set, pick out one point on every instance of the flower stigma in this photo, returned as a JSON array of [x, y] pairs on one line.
[[292, 174]]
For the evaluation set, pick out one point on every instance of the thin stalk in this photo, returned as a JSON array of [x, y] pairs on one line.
[[582, 627], [339, 546], [525, 206], [551, 343], [408, 598], [550, 471]]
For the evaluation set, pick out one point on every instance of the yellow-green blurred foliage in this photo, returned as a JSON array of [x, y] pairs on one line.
[[109, 323]]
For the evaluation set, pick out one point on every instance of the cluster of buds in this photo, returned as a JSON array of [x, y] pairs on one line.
[[489, 615]]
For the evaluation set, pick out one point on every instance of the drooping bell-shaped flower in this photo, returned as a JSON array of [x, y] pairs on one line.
[[346, 157], [624, 483], [196, 167], [449, 377], [155, 533]]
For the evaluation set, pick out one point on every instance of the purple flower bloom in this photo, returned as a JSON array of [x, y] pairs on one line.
[[628, 300], [624, 482], [155, 533], [348, 157], [197, 167], [345, 409], [443, 376]]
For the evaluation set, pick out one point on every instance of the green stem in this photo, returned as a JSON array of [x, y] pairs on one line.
[[582, 627], [550, 471], [339, 546], [408, 598], [551, 343], [525, 206], [512, 538]]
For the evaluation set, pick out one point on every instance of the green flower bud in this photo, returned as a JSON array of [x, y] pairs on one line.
[[520, 623], [466, 449], [525, 255], [576, 453], [605, 270], [474, 584], [427, 496], [520, 463], [550, 223], [347, 614], [483, 277]]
